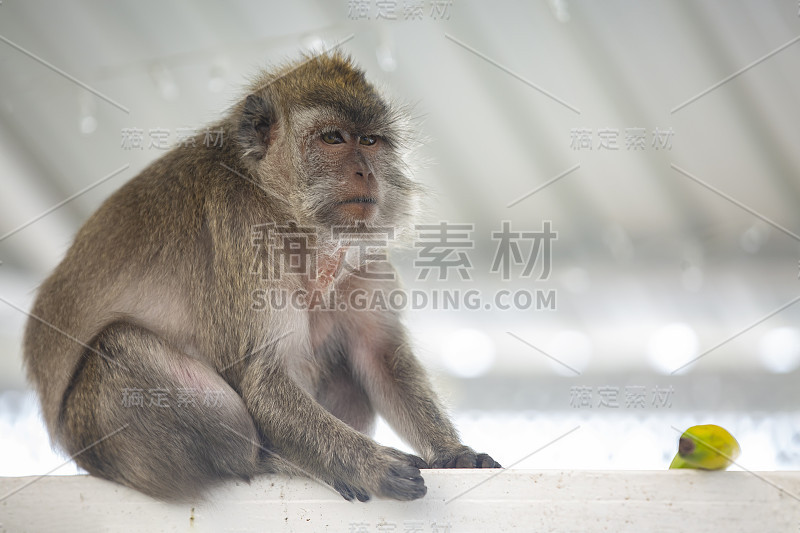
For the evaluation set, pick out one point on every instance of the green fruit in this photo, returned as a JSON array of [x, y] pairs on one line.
[[708, 447]]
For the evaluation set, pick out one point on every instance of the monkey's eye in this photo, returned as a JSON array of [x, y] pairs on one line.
[[367, 140], [332, 137]]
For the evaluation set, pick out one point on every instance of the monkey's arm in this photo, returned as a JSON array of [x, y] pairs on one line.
[[401, 392], [301, 431]]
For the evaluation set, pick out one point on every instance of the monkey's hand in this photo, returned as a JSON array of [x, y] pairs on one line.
[[464, 457], [389, 473]]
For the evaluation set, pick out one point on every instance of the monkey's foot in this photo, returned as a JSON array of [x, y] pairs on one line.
[[465, 458], [349, 492], [401, 478], [389, 473]]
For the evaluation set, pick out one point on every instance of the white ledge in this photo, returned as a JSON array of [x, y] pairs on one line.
[[515, 500]]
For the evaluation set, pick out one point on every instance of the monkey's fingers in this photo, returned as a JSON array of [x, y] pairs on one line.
[[349, 493], [404, 483], [485, 461], [419, 462], [403, 480], [466, 458]]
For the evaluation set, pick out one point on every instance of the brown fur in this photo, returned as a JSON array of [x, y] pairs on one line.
[[156, 294]]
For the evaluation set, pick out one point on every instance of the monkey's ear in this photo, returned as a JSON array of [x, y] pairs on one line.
[[254, 126]]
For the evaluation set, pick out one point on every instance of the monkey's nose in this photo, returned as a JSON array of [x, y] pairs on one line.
[[362, 175]]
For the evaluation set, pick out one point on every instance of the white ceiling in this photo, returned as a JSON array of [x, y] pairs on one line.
[[498, 88]]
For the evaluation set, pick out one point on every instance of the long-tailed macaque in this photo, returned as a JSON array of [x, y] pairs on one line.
[[151, 355]]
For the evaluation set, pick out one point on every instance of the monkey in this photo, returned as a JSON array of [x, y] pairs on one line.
[[154, 368]]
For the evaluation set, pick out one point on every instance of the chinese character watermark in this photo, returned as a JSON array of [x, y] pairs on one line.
[[609, 397], [442, 250], [408, 10], [406, 526], [608, 139], [165, 398], [508, 251], [159, 138]]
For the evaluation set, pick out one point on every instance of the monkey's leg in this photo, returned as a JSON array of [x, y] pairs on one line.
[[401, 393], [176, 427], [301, 431], [345, 398]]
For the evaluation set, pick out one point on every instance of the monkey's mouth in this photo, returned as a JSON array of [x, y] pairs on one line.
[[357, 209], [358, 200]]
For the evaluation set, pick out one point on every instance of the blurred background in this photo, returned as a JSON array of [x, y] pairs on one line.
[[659, 139]]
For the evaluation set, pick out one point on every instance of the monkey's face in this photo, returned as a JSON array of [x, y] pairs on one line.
[[348, 174], [322, 133]]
